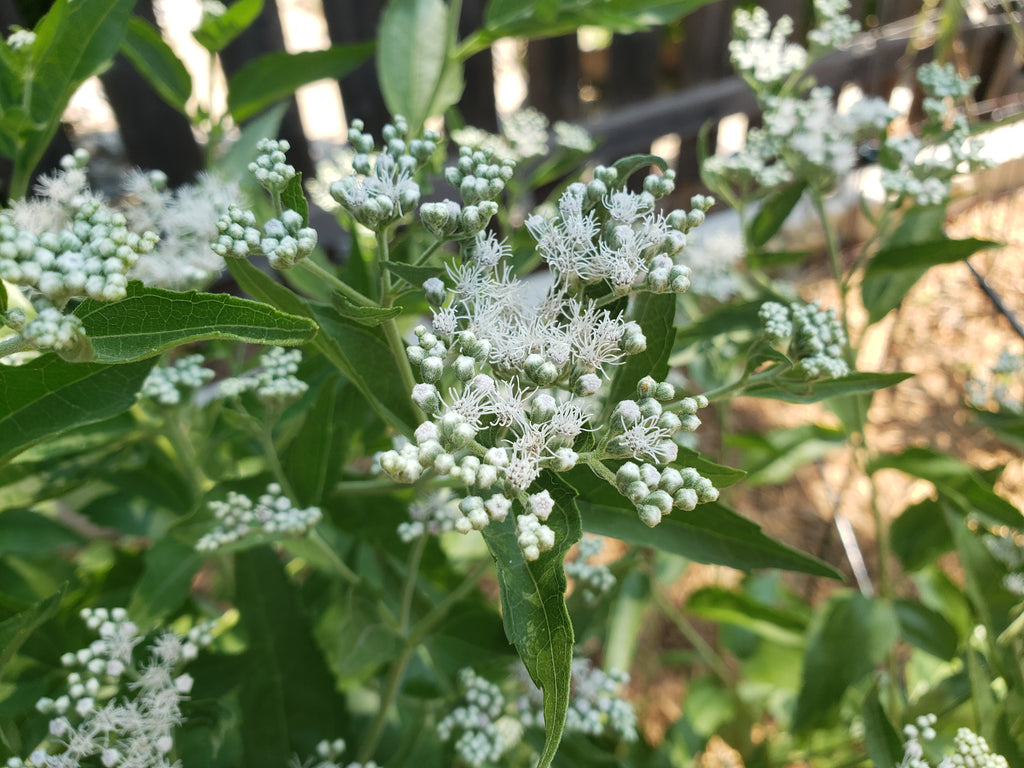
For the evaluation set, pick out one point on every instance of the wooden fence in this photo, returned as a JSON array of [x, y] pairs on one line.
[[666, 81]]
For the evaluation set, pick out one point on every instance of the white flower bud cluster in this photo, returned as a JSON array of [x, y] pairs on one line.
[[596, 706], [594, 580], [832, 27], [479, 175], [271, 168], [816, 337], [384, 190], [655, 493], [96, 721], [274, 382], [431, 516], [238, 235], [970, 749], [644, 428], [70, 247], [21, 39], [328, 755], [287, 241], [64, 334], [165, 383], [757, 167], [272, 514], [485, 733], [573, 137], [761, 53]]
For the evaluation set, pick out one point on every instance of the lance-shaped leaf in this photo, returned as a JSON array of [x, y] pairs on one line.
[[157, 63], [149, 321], [711, 533], [773, 213], [217, 31], [533, 607], [49, 396], [797, 391], [277, 75]]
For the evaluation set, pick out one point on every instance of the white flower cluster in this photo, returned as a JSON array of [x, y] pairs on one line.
[[592, 579], [714, 256], [596, 706], [489, 724], [816, 337], [762, 54], [286, 240], [20, 39], [274, 382], [95, 720], [328, 754], [1003, 389], [165, 383], [67, 243], [923, 167], [487, 732], [270, 167], [384, 189], [832, 27], [272, 514], [186, 219], [524, 135], [480, 177], [430, 516], [970, 749]]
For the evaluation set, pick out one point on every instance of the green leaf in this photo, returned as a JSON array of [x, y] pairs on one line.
[[157, 63], [884, 746], [74, 41], [18, 628], [369, 316], [813, 392], [277, 75], [24, 532], [892, 271], [311, 458], [741, 610], [958, 482], [294, 199], [773, 457], [627, 166], [926, 629], [287, 696], [49, 396], [3, 297], [533, 607], [711, 533], [415, 276], [217, 31], [920, 534], [773, 213], [170, 566], [151, 320], [656, 314], [848, 638], [770, 259], [731, 318], [413, 60]]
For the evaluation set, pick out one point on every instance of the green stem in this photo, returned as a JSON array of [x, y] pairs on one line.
[[427, 253], [341, 287], [12, 344]]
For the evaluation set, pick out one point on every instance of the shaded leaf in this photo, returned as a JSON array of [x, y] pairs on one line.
[[926, 629], [166, 581], [773, 212], [368, 316], [883, 743], [294, 199], [920, 534], [627, 166], [49, 396], [217, 31], [151, 320], [18, 628], [849, 637], [730, 318], [312, 457], [533, 607], [157, 63], [277, 75], [741, 610], [24, 532], [414, 275], [711, 533], [813, 392]]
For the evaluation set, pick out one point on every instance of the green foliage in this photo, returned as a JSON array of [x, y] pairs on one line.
[[215, 32], [155, 61]]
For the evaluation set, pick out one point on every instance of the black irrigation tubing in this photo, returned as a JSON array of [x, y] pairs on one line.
[[996, 300]]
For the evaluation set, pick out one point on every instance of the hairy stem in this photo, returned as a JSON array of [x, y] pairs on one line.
[[12, 344]]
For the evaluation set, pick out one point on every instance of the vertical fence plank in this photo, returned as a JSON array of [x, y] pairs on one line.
[[355, 21], [553, 74], [478, 105]]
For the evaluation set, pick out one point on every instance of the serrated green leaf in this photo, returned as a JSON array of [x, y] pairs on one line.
[[157, 63], [49, 396], [287, 697], [166, 581], [813, 392], [883, 743], [656, 314], [926, 629], [368, 316], [413, 275], [741, 610], [277, 75], [533, 607], [849, 637], [627, 166], [773, 212], [892, 272], [17, 629], [413, 60], [711, 533], [217, 31], [294, 199], [151, 320]]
